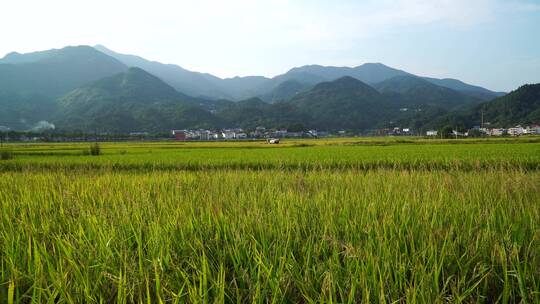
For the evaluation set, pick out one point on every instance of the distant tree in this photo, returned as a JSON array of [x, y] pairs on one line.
[[95, 149], [475, 133], [297, 127], [6, 154], [446, 131]]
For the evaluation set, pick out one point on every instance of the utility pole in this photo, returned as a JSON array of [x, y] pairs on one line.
[[482, 122]]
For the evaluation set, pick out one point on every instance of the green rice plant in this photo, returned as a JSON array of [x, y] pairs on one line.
[[219, 222], [271, 236]]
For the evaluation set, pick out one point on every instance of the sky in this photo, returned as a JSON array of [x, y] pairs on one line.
[[492, 43]]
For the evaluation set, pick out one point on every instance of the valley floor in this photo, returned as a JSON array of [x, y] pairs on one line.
[[339, 220]]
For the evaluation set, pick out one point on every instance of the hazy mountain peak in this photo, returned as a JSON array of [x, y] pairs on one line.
[[11, 55], [137, 83], [18, 58], [345, 83], [185, 81]]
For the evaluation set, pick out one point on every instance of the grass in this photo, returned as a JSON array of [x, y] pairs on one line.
[[190, 223]]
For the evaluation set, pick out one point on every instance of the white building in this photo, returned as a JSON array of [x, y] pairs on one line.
[[240, 135], [432, 133], [516, 131], [497, 132], [228, 134], [534, 129]]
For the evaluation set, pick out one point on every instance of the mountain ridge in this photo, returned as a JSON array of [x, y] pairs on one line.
[[238, 88], [128, 101], [82, 87]]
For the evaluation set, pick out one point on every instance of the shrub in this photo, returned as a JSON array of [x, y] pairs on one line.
[[95, 149], [6, 154]]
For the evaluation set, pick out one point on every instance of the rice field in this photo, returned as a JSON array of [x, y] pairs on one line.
[[310, 221]]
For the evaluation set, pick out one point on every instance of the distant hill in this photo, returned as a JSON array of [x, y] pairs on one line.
[[90, 88], [368, 73], [311, 75], [129, 101], [196, 84], [416, 91], [467, 89], [17, 58], [137, 100], [30, 83], [285, 91], [55, 72], [271, 89], [521, 106], [254, 112], [345, 103], [185, 81]]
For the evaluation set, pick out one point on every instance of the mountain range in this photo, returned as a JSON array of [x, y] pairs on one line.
[[93, 88], [237, 88]]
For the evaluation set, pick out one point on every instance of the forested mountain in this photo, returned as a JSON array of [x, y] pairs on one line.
[[521, 106], [188, 82], [345, 103], [254, 112], [272, 89], [416, 91], [467, 89], [285, 91], [30, 83], [133, 100], [55, 72], [83, 88]]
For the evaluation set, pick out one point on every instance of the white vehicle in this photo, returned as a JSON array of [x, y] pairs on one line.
[[272, 140]]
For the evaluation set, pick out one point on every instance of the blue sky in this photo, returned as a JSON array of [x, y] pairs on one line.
[[492, 43]]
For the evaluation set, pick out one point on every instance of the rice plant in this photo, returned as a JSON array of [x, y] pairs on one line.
[[325, 224]]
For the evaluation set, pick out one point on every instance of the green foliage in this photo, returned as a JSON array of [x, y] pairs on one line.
[[521, 106], [285, 91], [414, 90], [30, 84], [6, 154], [297, 127], [475, 133], [95, 149], [446, 132], [134, 100]]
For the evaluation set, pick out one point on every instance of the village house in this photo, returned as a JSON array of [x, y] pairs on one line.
[[280, 133], [241, 135], [432, 133], [497, 132], [228, 134], [312, 133], [532, 130], [516, 131], [179, 134]]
